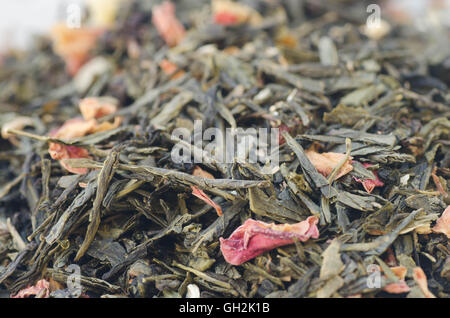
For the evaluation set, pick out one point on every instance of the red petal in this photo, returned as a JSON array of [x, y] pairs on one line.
[[255, 237], [202, 196], [225, 18]]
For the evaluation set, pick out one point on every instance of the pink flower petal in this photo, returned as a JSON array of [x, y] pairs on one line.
[[93, 107], [255, 237], [202, 196], [397, 288], [325, 163], [41, 289], [443, 223], [370, 184], [167, 24], [421, 280]]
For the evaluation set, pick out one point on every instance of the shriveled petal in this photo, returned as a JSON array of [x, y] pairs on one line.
[[202, 196], [93, 107], [399, 271], [255, 237], [74, 44], [169, 68], [167, 24], [73, 128], [443, 223], [59, 152], [106, 125], [226, 12], [397, 288], [370, 184], [421, 280], [327, 161], [41, 290], [199, 172]]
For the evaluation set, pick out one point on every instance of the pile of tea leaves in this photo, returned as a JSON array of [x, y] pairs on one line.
[[89, 188]]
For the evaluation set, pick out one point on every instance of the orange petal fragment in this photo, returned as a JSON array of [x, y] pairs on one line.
[[443, 223], [169, 68], [73, 128], [104, 126], [40, 290], [93, 107], [60, 152], [438, 183], [421, 280], [167, 24], [255, 237], [226, 12], [399, 271], [73, 45], [399, 287], [202, 196], [199, 172], [325, 163]]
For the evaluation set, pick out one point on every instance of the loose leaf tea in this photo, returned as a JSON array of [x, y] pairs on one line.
[[222, 148]]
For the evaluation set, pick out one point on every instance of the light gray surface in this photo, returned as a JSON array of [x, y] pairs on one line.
[[20, 19]]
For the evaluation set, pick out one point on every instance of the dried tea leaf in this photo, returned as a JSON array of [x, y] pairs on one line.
[[331, 264], [345, 115], [330, 287], [265, 205]]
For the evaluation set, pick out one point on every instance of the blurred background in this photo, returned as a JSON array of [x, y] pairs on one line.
[[21, 19]]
